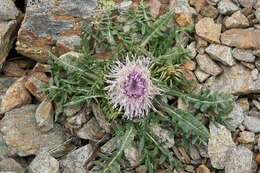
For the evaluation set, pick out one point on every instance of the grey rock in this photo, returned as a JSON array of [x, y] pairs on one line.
[[72, 110], [91, 130], [10, 165], [7, 30], [68, 43], [23, 136], [257, 13], [243, 55], [101, 119], [111, 146], [227, 7], [235, 80], [192, 48], [249, 65], [257, 104], [243, 103], [201, 76], [131, 154], [213, 2], [237, 116], [44, 163], [246, 137], [254, 166], [44, 115], [257, 53], [257, 64], [76, 121], [57, 20], [209, 11], [247, 3], [15, 96], [252, 124], [258, 143], [207, 65], [221, 53], [20, 131], [8, 10], [219, 143], [237, 20], [5, 83], [55, 142], [75, 161], [254, 74], [204, 151], [239, 160], [3, 148], [163, 135], [194, 153]]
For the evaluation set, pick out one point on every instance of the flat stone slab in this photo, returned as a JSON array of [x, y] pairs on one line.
[[49, 25], [242, 38]]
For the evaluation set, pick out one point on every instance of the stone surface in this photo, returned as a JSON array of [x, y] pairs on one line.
[[189, 64], [194, 153], [49, 25], [243, 55], [227, 7], [209, 11], [249, 65], [13, 70], [237, 20], [34, 83], [200, 4], [3, 148], [246, 137], [72, 110], [182, 12], [257, 104], [208, 30], [254, 74], [131, 154], [202, 169], [111, 146], [257, 64], [10, 19], [192, 48], [235, 80], [44, 163], [252, 123], [5, 83], [75, 161], [55, 142], [239, 160], [257, 13], [257, 158], [219, 143], [212, 2], [15, 96], [237, 115], [201, 76], [200, 43], [68, 43], [242, 38], [44, 115], [10, 165], [100, 117], [154, 7], [163, 135], [23, 136], [243, 103], [221, 53], [8, 10], [76, 121], [247, 3], [20, 130], [91, 130], [207, 65]]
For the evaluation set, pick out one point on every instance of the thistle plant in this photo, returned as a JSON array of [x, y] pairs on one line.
[[137, 86]]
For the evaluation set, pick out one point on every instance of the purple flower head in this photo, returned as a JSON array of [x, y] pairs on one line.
[[130, 87]]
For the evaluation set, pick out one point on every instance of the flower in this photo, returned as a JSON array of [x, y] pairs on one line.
[[131, 88]]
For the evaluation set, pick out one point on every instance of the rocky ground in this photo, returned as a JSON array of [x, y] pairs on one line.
[[225, 51]]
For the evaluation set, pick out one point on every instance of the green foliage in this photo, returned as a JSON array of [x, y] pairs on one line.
[[80, 80]]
